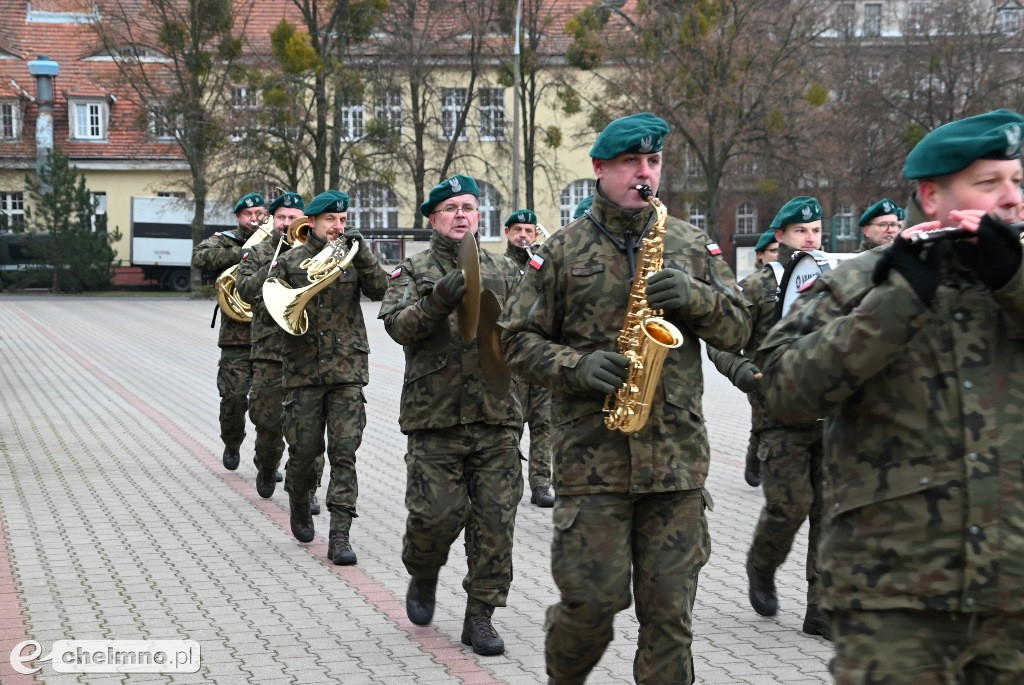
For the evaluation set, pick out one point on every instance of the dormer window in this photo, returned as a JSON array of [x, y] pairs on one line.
[[10, 120], [88, 119]]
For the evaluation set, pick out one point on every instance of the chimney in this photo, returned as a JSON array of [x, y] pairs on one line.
[[45, 70]]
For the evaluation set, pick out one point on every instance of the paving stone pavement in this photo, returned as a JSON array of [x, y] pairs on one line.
[[118, 521]]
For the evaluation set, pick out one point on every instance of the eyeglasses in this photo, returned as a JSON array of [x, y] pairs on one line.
[[455, 209], [886, 226]]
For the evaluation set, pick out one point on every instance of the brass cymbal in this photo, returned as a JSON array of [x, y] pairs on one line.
[[468, 311], [493, 368]]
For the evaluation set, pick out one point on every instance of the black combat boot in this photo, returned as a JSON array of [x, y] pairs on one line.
[[752, 471], [479, 632], [314, 504], [817, 623], [231, 457], [762, 590], [265, 483], [542, 497], [339, 549], [301, 520], [419, 600]]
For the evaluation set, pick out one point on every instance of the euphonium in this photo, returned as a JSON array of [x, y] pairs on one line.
[[645, 337], [233, 306], [287, 304]]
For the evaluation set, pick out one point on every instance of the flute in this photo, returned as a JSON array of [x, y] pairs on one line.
[[952, 233]]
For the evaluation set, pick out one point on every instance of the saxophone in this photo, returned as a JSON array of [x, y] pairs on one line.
[[645, 337]]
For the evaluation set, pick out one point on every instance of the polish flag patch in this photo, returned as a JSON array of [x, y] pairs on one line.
[[536, 261], [245, 255], [808, 284], [714, 249], [397, 272]]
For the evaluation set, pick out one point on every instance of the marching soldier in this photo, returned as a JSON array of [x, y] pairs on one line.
[[324, 371], [220, 251], [881, 222], [266, 392], [915, 353], [521, 234], [789, 453], [767, 249], [629, 507], [463, 466]]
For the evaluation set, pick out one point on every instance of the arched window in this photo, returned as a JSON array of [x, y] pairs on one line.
[[490, 212], [746, 218], [572, 195], [373, 206], [697, 214]]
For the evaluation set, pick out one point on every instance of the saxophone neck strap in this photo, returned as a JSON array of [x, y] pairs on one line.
[[631, 243]]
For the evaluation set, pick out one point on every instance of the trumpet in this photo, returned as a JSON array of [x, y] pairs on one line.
[[230, 302]]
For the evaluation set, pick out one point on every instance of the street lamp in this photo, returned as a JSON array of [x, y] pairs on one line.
[[516, 82]]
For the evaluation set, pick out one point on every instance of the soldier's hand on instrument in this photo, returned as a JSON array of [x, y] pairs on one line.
[[996, 254], [351, 235], [918, 266], [668, 289], [603, 371], [918, 228], [449, 290], [748, 377], [967, 219]]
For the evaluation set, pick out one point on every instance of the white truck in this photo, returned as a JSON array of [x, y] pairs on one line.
[[162, 236]]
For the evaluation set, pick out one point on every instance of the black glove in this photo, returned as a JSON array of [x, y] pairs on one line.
[[351, 235], [668, 289], [449, 290], [748, 378], [603, 371], [996, 256], [921, 273]]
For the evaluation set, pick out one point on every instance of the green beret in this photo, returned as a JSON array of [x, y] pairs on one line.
[[901, 214], [880, 208], [583, 206], [328, 201], [800, 210], [642, 132], [450, 187], [521, 216], [766, 239], [955, 146], [291, 200], [249, 201]]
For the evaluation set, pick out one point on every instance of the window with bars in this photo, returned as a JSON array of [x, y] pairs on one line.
[[453, 102], [388, 108], [373, 206], [490, 212], [10, 120], [572, 195], [746, 218], [12, 211], [88, 120], [492, 114], [352, 113]]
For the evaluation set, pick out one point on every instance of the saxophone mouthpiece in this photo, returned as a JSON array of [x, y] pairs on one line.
[[645, 191]]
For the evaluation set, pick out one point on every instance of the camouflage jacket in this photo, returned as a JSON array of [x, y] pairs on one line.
[[924, 442], [215, 254], [761, 290], [866, 244], [267, 336], [334, 349], [518, 255], [574, 304], [442, 386]]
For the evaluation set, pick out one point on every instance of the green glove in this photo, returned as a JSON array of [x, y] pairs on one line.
[[352, 234], [449, 290], [668, 289], [748, 377], [603, 371]]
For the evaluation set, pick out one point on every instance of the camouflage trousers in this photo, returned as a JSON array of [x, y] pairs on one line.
[[265, 397], [464, 478], [909, 647], [234, 376], [791, 479], [668, 544], [309, 412], [536, 402]]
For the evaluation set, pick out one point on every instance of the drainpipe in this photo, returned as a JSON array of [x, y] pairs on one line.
[[45, 70]]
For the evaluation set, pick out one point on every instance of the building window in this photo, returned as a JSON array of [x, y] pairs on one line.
[[698, 216], [490, 212], [748, 167], [746, 218], [163, 126], [693, 167], [373, 206], [845, 222], [873, 72], [89, 120], [572, 195], [12, 211], [352, 119], [1008, 18], [492, 114], [917, 16], [99, 212], [453, 102], [845, 13], [171, 193], [388, 108], [244, 105], [872, 19], [10, 120]]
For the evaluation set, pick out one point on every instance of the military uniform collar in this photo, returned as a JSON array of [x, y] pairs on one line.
[[314, 242], [517, 254], [786, 254], [615, 219], [445, 248]]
